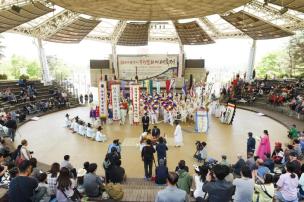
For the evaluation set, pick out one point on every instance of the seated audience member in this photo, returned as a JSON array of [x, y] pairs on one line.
[[86, 166], [199, 180], [36, 172], [52, 179], [202, 154], [75, 125], [100, 137], [22, 187], [66, 162], [293, 132], [278, 153], [171, 192], [65, 186], [161, 149], [269, 163], [117, 173], [297, 147], [297, 164], [181, 165], [288, 185], [92, 182], [184, 179], [244, 186], [250, 162], [238, 165], [261, 169], [80, 177], [161, 172], [301, 182], [90, 131], [264, 192], [216, 186], [42, 193], [224, 160]]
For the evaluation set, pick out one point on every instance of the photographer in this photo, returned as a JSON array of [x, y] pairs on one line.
[[201, 154], [215, 185]]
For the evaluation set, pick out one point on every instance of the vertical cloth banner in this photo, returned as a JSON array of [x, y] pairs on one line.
[[168, 85], [131, 92], [151, 87], [135, 102], [115, 92], [158, 87], [102, 95], [147, 85]]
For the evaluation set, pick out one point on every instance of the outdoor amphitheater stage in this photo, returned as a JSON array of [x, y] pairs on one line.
[[50, 140]]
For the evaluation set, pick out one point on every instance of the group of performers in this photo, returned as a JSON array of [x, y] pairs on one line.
[[85, 129]]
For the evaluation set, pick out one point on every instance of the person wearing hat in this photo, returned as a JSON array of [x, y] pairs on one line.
[[145, 121], [250, 143], [161, 172]]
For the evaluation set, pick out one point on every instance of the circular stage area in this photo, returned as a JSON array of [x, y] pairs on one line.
[[50, 141]]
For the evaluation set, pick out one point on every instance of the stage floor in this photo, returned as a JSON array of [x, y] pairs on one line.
[[50, 141]]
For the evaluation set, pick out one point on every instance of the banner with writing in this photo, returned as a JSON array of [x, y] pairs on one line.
[[135, 101], [102, 95], [115, 95], [146, 66]]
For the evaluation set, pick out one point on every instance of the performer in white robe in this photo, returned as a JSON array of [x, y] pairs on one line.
[[100, 137], [170, 118], [166, 116], [67, 121], [82, 129], [123, 113], [178, 135], [90, 132], [153, 116], [76, 127]]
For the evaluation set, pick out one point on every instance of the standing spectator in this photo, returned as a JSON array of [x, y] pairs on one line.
[[184, 180], [161, 172], [90, 97], [244, 186], [148, 158], [161, 149], [92, 182], [22, 187], [238, 165], [288, 184], [155, 132], [24, 152], [11, 124], [145, 121], [218, 189], [81, 99], [250, 143], [199, 180], [52, 179], [86, 98], [171, 192]]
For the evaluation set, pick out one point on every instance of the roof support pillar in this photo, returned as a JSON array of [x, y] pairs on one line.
[[181, 56], [251, 61], [43, 62]]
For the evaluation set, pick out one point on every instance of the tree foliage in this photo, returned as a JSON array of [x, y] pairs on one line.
[[58, 69]]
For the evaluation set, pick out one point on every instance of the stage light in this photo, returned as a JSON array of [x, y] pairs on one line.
[[283, 10], [16, 8]]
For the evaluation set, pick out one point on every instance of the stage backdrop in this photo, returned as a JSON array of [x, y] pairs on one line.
[[147, 65]]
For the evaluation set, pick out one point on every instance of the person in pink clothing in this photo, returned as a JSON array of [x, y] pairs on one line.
[[264, 146]]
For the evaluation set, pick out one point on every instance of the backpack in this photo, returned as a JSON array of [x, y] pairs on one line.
[[115, 191]]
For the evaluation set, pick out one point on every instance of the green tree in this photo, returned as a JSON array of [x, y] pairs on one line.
[[58, 69], [19, 65], [2, 47], [295, 50], [273, 64]]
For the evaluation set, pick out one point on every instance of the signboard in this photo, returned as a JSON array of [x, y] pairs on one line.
[[146, 66], [102, 89], [135, 101], [201, 121], [115, 95]]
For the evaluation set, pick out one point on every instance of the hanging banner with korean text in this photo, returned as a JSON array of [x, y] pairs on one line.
[[145, 66], [102, 95], [115, 95], [135, 102]]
